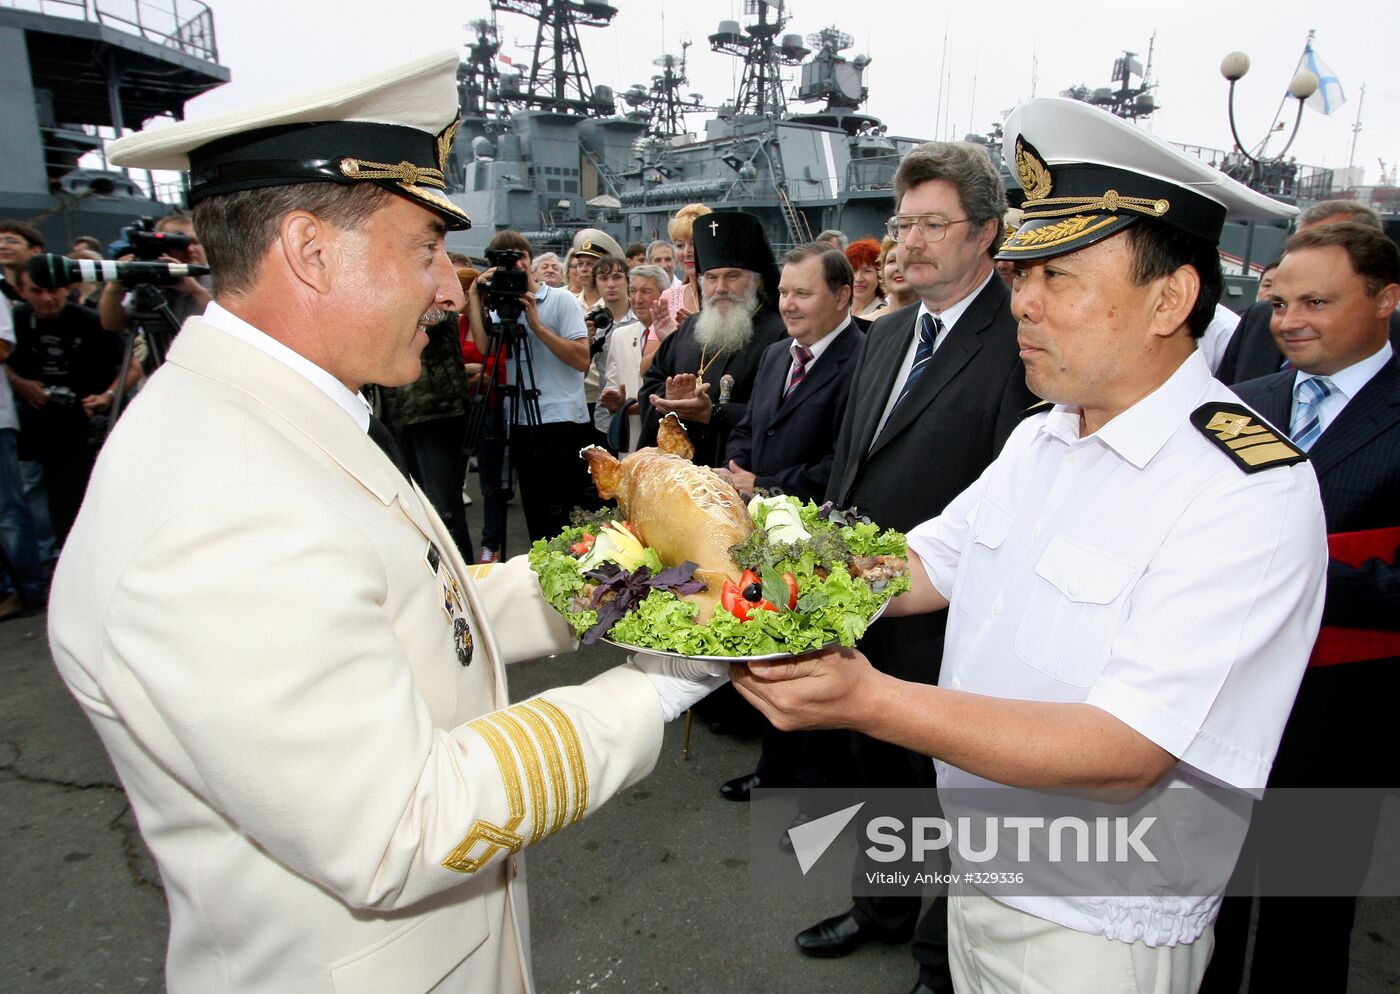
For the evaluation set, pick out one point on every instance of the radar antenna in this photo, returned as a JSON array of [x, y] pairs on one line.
[[761, 88], [558, 74], [663, 106], [478, 77], [1129, 100]]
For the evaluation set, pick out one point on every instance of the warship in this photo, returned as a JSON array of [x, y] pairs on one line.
[[76, 72], [543, 150]]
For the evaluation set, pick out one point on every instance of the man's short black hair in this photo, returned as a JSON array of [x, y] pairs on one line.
[[1160, 249], [26, 231]]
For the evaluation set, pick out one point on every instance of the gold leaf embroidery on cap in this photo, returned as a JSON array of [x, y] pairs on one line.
[[444, 144], [1034, 175], [1059, 233]]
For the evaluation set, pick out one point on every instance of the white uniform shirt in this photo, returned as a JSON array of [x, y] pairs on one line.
[[1139, 570]]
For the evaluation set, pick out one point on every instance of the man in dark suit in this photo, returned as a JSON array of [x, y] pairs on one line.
[[1252, 352], [937, 389], [1332, 298], [785, 441]]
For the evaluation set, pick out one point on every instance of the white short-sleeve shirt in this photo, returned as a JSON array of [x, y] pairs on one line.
[[1142, 571]]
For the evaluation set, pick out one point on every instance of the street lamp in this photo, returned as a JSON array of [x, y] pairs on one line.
[[1233, 67]]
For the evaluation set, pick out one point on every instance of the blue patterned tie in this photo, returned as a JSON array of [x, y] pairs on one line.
[[1307, 425], [929, 330]]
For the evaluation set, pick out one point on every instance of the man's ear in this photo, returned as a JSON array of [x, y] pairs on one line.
[[306, 244], [1387, 300], [1177, 294]]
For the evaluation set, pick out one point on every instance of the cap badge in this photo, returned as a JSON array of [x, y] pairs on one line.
[[1032, 171], [444, 144]]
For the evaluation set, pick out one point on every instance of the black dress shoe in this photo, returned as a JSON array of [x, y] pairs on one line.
[[786, 840], [738, 788], [844, 934]]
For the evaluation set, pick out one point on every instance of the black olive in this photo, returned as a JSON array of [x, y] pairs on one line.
[[753, 592]]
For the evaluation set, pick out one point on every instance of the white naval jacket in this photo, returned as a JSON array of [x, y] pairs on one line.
[[250, 611]]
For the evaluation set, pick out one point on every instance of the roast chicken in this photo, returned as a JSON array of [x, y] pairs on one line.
[[681, 510]]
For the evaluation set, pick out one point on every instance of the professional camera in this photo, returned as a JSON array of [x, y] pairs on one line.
[[62, 397], [601, 317], [507, 286], [148, 245]]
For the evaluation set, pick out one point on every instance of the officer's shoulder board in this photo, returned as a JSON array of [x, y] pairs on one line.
[[1249, 440]]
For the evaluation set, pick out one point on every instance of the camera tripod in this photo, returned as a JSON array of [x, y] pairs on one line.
[[147, 302], [508, 343]]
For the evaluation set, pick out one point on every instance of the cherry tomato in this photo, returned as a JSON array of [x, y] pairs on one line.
[[791, 582], [581, 547], [733, 601]]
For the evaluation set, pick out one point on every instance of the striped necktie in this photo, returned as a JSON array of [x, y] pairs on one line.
[[1307, 421], [801, 355], [929, 330]]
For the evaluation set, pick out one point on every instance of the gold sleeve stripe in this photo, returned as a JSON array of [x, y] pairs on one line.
[[480, 571], [510, 772], [554, 763], [493, 838], [534, 771], [573, 749]]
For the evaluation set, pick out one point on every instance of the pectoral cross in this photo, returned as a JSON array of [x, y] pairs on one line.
[[714, 227]]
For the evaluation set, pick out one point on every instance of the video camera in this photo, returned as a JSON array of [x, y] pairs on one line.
[[148, 244], [506, 288]]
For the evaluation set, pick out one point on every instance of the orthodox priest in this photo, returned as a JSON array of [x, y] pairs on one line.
[[704, 373]]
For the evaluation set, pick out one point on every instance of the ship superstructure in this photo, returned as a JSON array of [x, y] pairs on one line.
[[75, 73]]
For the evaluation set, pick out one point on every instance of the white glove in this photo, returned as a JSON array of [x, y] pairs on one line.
[[680, 682]]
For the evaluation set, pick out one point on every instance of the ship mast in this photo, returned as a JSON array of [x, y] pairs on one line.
[[761, 88], [558, 73]]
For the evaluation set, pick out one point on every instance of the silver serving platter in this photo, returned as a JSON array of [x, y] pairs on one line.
[[765, 658]]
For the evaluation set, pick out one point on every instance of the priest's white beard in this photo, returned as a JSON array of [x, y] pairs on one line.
[[727, 329]]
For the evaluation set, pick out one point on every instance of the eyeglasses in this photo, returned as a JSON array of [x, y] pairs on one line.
[[931, 226]]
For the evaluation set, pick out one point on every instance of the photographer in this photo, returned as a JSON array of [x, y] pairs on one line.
[[550, 353], [64, 372], [171, 239], [610, 279]]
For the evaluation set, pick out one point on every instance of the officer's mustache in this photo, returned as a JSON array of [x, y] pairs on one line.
[[436, 316]]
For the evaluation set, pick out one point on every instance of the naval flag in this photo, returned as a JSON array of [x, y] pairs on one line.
[[1329, 95]]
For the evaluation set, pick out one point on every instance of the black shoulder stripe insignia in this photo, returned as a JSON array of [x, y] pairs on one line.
[[1249, 440], [1043, 407]]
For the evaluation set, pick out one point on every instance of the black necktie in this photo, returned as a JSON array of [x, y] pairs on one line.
[[381, 436]]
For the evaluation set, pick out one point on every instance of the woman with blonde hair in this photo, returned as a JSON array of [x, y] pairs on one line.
[[678, 302], [898, 292]]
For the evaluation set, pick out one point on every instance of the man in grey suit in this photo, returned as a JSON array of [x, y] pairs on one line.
[[937, 389]]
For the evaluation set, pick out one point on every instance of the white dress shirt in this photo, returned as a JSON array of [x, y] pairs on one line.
[[949, 316], [354, 404], [1346, 384], [1142, 571], [816, 349]]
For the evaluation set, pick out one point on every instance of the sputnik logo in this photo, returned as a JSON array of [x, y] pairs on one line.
[[811, 840]]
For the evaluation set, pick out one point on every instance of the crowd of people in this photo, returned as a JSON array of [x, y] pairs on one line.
[[1119, 570]]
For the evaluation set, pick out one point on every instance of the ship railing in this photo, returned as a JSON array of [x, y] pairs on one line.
[[1286, 180], [183, 25]]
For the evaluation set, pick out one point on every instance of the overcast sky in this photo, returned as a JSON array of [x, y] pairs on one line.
[[997, 55]]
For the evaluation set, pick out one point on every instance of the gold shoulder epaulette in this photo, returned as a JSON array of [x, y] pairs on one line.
[[1042, 407], [1249, 440]]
